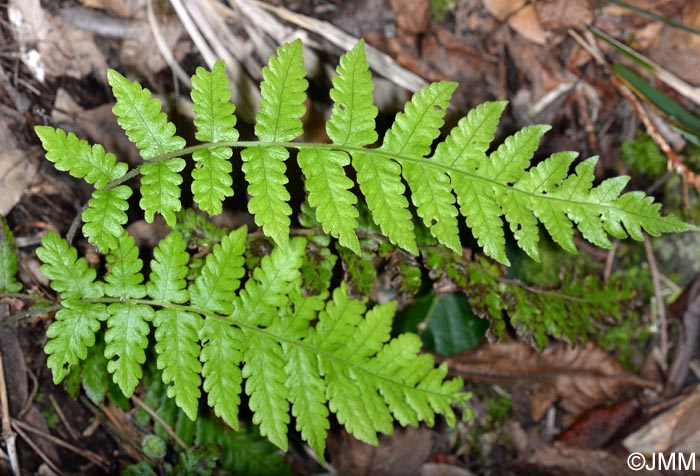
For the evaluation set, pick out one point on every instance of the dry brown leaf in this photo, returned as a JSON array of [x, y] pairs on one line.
[[581, 377], [563, 14], [527, 24], [677, 429], [502, 9], [17, 168], [400, 454], [677, 50], [49, 46], [411, 16], [558, 459]]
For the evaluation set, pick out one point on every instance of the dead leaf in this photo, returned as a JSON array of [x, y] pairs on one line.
[[677, 50], [17, 168], [558, 459], [526, 22], [400, 454], [52, 47], [442, 469], [563, 14], [411, 16], [674, 430], [595, 428], [502, 9], [581, 377]]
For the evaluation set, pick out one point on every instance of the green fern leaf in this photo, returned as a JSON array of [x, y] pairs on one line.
[[265, 384], [105, 216], [127, 339], [70, 276], [71, 334], [353, 114], [177, 346], [221, 354], [148, 128], [8, 259], [220, 277], [307, 395], [275, 278], [278, 120], [215, 122], [329, 193], [464, 150], [141, 118], [169, 269], [160, 189], [124, 279], [75, 156], [412, 135]]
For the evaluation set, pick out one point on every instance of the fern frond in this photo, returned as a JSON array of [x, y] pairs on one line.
[[8, 259], [411, 135], [215, 122], [139, 115], [265, 384], [221, 355], [177, 346], [278, 120], [71, 334], [124, 279], [169, 269], [149, 129], [71, 276], [353, 114], [75, 156], [105, 216], [380, 182], [220, 277], [127, 339]]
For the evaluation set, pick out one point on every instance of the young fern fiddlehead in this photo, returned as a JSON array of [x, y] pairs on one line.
[[310, 355]]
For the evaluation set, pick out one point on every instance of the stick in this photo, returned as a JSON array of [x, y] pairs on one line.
[[7, 433]]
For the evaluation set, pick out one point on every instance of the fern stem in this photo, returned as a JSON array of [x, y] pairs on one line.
[[349, 149], [257, 330]]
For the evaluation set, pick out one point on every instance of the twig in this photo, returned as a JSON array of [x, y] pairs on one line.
[[610, 260], [660, 304], [162, 45], [61, 416], [87, 454], [7, 433], [168, 429], [31, 312], [35, 447]]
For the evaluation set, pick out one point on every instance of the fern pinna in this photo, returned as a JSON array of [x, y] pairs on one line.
[[226, 330]]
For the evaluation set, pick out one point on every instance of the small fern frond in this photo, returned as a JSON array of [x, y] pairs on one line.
[[124, 279], [75, 156], [149, 129], [140, 116], [71, 334], [215, 122], [353, 114], [177, 346], [127, 339], [169, 269], [220, 277], [412, 135], [105, 216], [220, 356], [278, 120], [71, 276], [8, 259]]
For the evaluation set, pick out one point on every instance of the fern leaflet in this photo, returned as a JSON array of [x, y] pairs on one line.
[[278, 120], [215, 122], [8, 259]]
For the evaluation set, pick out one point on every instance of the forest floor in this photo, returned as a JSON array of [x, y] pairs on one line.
[[630, 386]]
